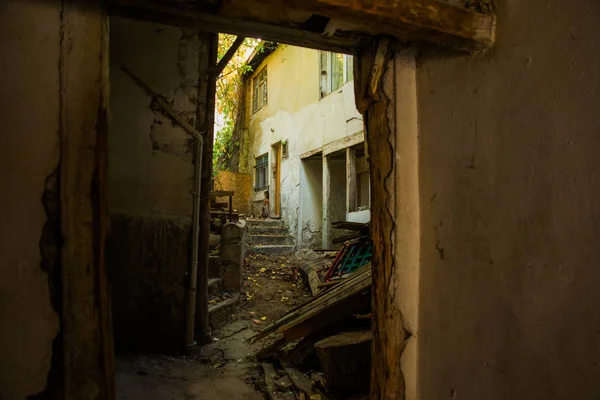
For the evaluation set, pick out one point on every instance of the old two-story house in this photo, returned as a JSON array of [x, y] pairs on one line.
[[303, 141]]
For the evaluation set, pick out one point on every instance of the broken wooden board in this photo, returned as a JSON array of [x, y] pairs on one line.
[[344, 300], [346, 361], [351, 226], [301, 382], [350, 236], [268, 351]]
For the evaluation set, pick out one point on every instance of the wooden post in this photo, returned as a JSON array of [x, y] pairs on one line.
[[326, 229], [205, 123], [86, 320], [375, 90], [351, 197]]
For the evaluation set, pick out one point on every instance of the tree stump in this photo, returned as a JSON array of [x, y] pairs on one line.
[[346, 362]]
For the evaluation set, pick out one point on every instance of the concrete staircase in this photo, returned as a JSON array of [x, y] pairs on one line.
[[269, 236]]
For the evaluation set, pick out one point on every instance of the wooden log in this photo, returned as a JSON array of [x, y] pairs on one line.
[[346, 362]]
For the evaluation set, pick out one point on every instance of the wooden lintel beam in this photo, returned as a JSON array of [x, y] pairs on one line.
[[153, 11], [412, 20], [230, 52]]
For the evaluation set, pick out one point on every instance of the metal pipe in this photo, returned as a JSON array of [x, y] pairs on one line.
[[191, 298]]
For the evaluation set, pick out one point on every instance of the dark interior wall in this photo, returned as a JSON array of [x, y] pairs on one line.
[[509, 166], [150, 183], [148, 280], [29, 156]]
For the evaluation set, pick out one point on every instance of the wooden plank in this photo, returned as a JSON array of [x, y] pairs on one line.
[[301, 382], [360, 275], [351, 226], [326, 226], [221, 193], [270, 377], [344, 24], [351, 300], [312, 153], [415, 20], [86, 310], [175, 14], [341, 144], [269, 350], [227, 56], [351, 195], [350, 236]]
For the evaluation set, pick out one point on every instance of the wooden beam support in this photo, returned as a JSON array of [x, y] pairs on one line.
[[205, 116], [230, 52], [342, 24], [413, 20], [326, 228], [343, 143], [174, 15], [351, 197], [86, 312]]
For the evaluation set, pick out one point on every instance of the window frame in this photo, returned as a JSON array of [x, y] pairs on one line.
[[261, 164], [326, 82], [260, 87]]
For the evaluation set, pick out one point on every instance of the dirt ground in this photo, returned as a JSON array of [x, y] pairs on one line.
[[225, 369]]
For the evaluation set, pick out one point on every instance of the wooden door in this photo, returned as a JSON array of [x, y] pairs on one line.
[[277, 178]]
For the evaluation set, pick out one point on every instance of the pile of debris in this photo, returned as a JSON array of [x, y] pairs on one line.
[[322, 348]]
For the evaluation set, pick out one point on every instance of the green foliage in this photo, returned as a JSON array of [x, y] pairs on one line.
[[229, 86]]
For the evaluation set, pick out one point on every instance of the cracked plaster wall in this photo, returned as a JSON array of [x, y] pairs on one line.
[[29, 143], [150, 157], [295, 113], [150, 182], [510, 216]]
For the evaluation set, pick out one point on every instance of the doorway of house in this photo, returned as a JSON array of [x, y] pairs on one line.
[[277, 155]]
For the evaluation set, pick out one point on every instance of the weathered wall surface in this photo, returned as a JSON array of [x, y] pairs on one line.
[[148, 278], [150, 158], [296, 113], [29, 111], [150, 183], [311, 203], [509, 145], [240, 184]]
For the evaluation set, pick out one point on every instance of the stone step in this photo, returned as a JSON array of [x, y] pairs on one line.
[[267, 230], [219, 313], [270, 239], [273, 249], [265, 222], [214, 285]]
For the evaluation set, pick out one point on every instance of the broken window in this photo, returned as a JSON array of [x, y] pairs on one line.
[[259, 95], [260, 173], [336, 70]]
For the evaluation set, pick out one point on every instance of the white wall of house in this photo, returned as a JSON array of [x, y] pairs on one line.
[[296, 114]]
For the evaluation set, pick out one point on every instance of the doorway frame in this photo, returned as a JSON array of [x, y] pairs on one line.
[[276, 151], [89, 367]]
